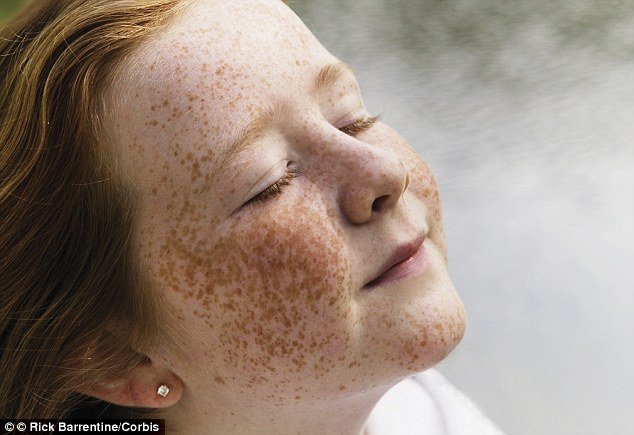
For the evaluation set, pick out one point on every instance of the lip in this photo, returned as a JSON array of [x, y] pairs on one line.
[[407, 259]]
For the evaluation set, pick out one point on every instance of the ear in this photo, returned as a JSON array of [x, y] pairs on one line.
[[140, 388]]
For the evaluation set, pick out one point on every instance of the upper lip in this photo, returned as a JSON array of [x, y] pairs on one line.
[[400, 254]]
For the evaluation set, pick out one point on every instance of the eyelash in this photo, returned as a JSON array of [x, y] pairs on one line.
[[360, 126], [277, 188]]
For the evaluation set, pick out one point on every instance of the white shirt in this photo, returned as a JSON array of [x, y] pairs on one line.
[[427, 404]]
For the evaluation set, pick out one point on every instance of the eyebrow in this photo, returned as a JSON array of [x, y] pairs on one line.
[[327, 76]]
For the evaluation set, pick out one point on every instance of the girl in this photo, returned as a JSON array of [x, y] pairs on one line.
[[201, 222]]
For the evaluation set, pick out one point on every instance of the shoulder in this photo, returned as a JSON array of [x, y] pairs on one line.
[[428, 404]]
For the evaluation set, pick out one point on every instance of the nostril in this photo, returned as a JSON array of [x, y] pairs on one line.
[[378, 202]]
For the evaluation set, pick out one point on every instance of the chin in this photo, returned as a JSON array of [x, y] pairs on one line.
[[440, 328], [445, 342], [454, 331]]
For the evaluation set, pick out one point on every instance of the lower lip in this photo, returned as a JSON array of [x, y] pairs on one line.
[[414, 265]]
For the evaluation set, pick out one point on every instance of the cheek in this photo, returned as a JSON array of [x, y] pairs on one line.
[[296, 282], [423, 186], [422, 182], [270, 298]]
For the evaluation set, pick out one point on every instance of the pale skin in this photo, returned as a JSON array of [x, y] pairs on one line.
[[269, 295]]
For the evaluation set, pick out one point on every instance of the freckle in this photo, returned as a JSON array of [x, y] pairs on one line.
[[219, 380]]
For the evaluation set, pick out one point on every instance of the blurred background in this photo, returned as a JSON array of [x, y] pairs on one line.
[[525, 111], [8, 8]]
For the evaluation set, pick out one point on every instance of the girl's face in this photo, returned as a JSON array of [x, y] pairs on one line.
[[270, 290]]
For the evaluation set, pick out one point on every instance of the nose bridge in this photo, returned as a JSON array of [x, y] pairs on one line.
[[369, 179]]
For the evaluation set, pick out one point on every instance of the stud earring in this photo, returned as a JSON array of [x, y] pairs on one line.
[[163, 390]]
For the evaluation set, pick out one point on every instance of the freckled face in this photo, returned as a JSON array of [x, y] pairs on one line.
[[269, 292]]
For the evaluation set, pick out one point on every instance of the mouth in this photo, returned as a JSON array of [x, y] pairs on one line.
[[406, 260]]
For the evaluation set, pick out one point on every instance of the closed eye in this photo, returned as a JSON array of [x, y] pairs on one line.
[[276, 188], [360, 125]]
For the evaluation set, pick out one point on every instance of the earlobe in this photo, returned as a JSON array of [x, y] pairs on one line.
[[146, 386]]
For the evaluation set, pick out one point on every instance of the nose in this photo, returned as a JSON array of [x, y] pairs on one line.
[[373, 179]]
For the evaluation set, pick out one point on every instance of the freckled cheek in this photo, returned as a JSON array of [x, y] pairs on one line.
[[422, 182], [423, 185], [299, 280], [297, 257]]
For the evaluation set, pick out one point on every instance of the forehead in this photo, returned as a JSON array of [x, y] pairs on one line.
[[216, 67], [236, 55]]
